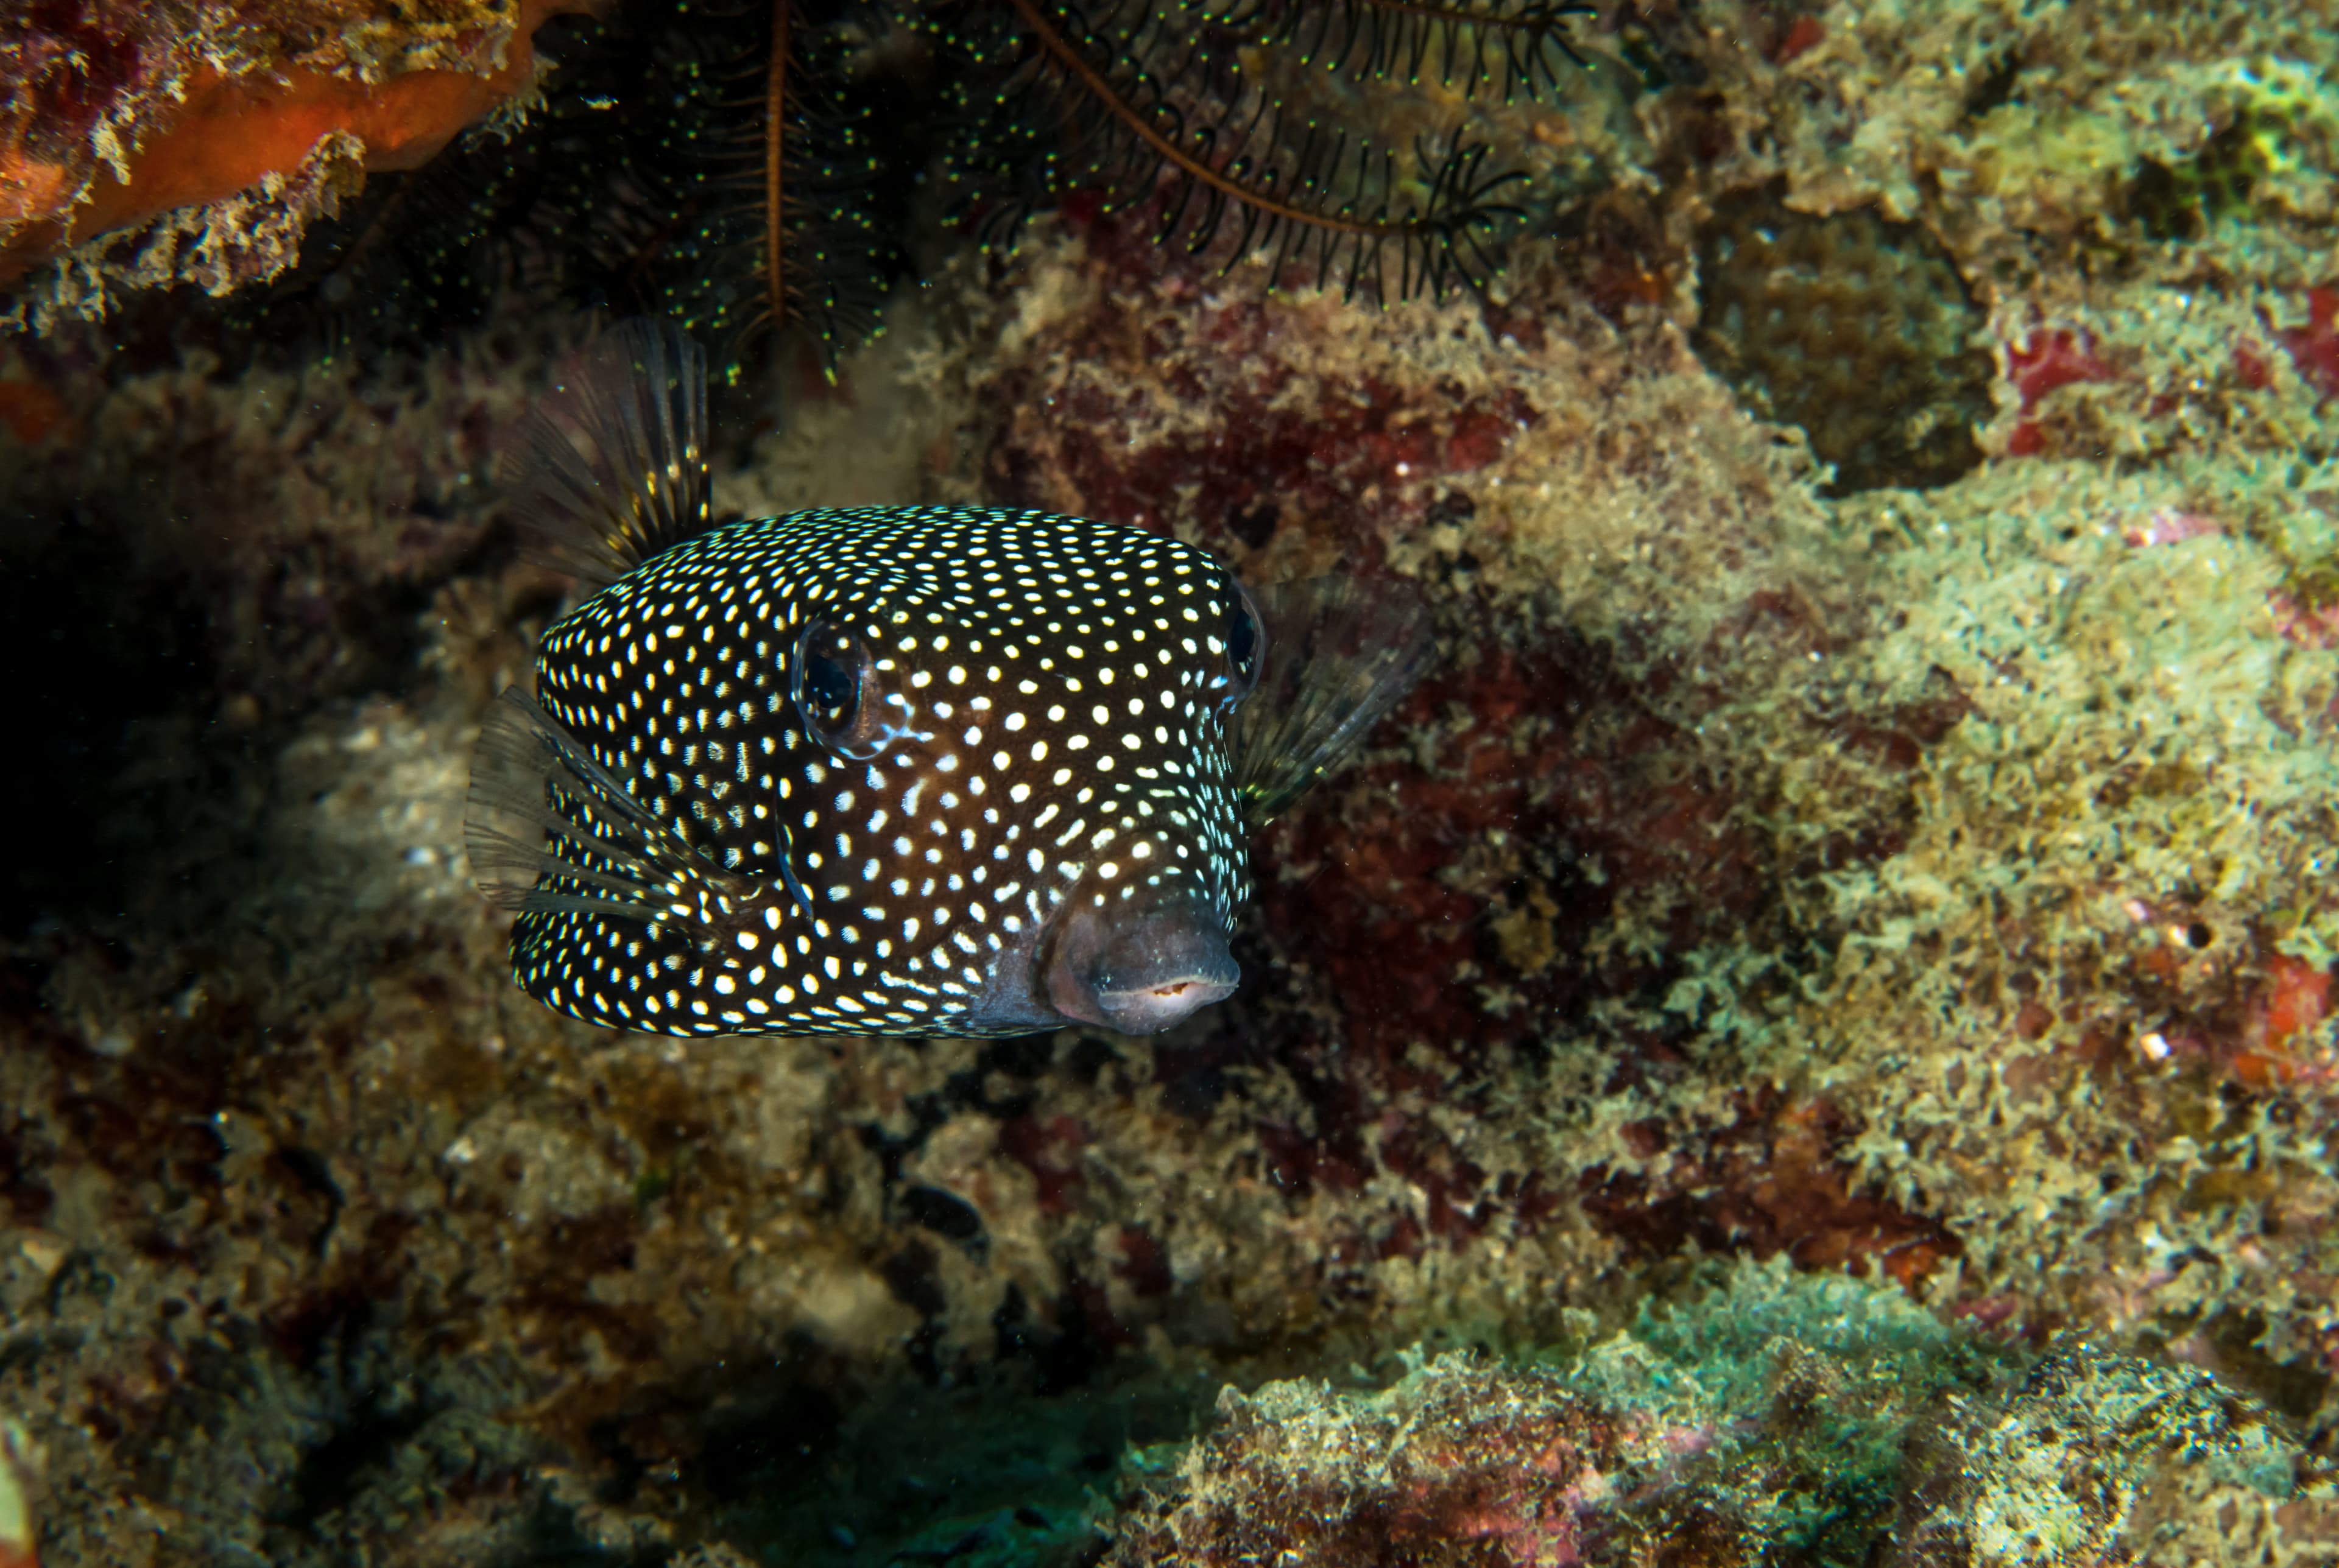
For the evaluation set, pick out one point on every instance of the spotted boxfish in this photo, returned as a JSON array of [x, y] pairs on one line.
[[889, 769]]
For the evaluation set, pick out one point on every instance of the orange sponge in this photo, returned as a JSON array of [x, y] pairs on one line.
[[202, 119]]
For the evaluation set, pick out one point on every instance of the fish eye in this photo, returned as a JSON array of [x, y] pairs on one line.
[[1246, 639], [834, 686]]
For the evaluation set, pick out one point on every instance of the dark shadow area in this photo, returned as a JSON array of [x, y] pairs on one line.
[[91, 648]]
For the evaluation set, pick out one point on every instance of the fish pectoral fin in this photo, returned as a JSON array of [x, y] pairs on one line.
[[610, 467], [1340, 652], [549, 829]]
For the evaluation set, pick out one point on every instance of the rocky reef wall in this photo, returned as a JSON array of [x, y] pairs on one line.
[[1805, 1041]]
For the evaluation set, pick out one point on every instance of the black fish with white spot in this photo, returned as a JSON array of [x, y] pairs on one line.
[[894, 770]]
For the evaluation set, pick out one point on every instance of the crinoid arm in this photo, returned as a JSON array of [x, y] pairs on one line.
[[610, 467], [1341, 653], [1522, 44], [1145, 110], [756, 208]]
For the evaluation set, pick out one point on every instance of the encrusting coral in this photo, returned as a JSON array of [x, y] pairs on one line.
[[1852, 327]]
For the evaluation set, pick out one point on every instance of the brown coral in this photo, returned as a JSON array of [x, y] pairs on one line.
[[1853, 327]]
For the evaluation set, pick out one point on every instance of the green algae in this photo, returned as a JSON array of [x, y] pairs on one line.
[[1810, 1384], [1710, 1357], [2044, 1001]]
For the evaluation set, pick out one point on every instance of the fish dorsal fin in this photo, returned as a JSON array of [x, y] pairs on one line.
[[1340, 652], [610, 467]]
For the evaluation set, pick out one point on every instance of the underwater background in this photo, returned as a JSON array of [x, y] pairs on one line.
[[1807, 1039]]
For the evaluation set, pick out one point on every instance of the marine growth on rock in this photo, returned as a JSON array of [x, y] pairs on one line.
[[1806, 1038]]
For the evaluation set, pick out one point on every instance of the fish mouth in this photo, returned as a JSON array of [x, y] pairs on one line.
[[1136, 964]]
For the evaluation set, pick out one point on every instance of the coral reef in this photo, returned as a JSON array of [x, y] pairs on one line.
[[1719, 856], [1808, 1422], [2100, 1458], [1914, 877]]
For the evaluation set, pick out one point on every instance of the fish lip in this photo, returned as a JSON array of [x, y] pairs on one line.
[[1141, 1009], [1135, 966]]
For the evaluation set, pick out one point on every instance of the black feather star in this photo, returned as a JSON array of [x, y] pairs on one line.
[[746, 166], [777, 174], [1383, 40], [1144, 108], [689, 160]]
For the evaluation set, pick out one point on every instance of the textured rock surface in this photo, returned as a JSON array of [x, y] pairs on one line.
[[1769, 1420]]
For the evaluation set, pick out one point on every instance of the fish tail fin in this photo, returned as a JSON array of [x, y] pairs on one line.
[[1341, 653], [549, 831], [610, 465]]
